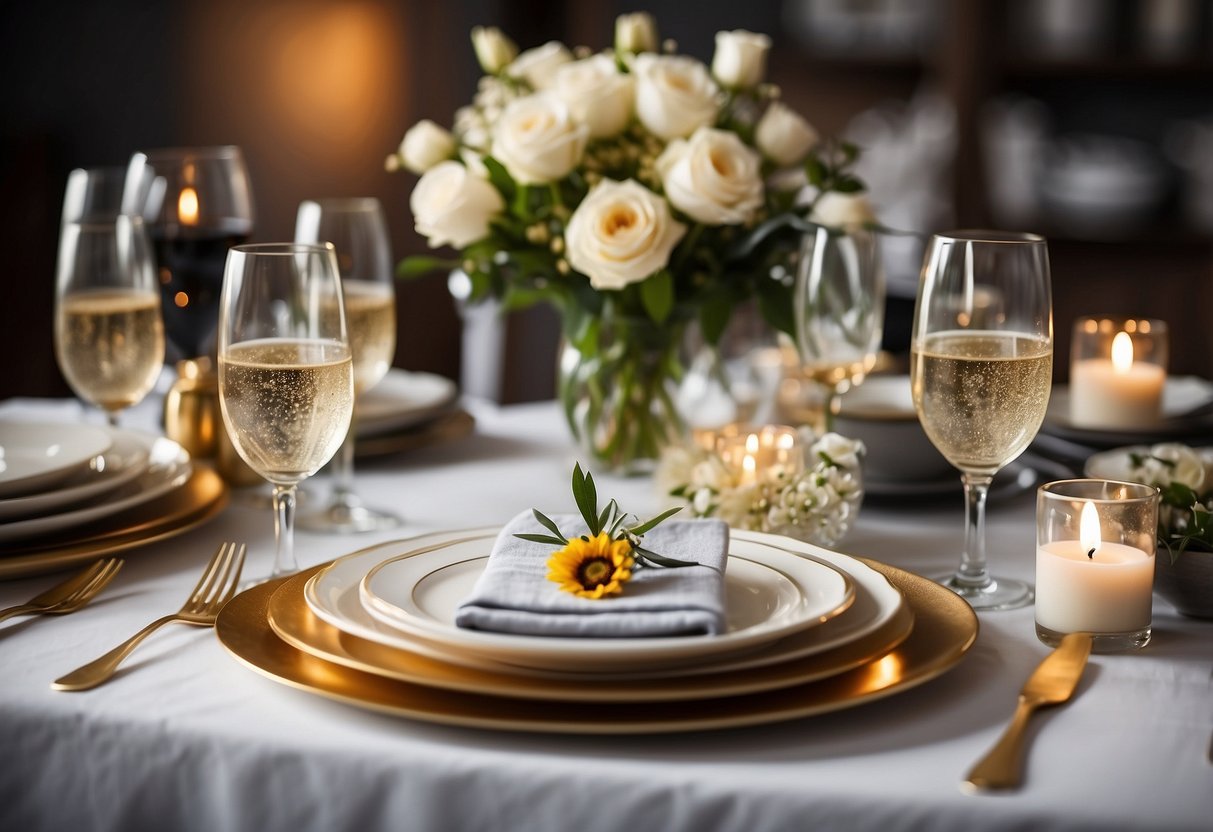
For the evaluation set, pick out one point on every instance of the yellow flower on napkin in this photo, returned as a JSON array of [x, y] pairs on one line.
[[591, 567]]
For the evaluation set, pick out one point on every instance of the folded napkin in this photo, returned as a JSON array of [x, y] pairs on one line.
[[513, 595]]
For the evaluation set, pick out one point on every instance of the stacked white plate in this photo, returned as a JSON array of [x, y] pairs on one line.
[[57, 477], [786, 601]]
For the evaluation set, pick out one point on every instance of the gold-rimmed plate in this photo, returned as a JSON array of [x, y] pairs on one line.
[[200, 499], [945, 628]]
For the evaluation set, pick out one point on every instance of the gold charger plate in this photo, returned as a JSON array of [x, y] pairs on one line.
[[445, 428], [293, 621], [945, 627], [202, 497]]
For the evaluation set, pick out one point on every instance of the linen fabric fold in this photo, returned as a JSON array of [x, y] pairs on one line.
[[513, 595]]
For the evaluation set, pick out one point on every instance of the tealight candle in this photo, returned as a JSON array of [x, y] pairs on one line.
[[767, 454], [1095, 561], [1117, 372]]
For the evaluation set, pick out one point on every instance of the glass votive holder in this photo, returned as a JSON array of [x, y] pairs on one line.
[[1118, 368], [1095, 546], [765, 454]]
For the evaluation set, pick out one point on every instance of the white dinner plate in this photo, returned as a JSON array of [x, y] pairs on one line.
[[402, 399], [333, 595], [770, 593], [1016, 478], [168, 468], [124, 460], [36, 456]]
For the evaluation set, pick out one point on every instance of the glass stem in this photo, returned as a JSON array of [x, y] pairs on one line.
[[111, 418], [284, 531], [832, 406], [343, 472], [973, 572]]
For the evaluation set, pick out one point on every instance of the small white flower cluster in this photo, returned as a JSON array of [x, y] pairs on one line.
[[818, 504], [1159, 465]]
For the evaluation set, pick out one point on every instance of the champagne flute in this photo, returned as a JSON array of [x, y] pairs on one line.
[[981, 382], [356, 227], [109, 335], [838, 303], [286, 379], [197, 202]]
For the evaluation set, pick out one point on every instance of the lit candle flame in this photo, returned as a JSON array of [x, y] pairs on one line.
[[1088, 530], [1122, 352], [187, 206], [751, 443]]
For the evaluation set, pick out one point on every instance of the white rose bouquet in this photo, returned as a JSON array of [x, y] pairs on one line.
[[637, 191]]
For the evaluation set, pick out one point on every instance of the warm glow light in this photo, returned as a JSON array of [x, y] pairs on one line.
[[187, 206], [1088, 529], [749, 467], [751, 443], [181, 300], [1122, 352]]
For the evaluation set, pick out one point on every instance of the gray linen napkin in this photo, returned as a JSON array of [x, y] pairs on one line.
[[513, 595]]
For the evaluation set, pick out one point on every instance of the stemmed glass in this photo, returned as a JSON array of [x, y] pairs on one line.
[[356, 227], [196, 202], [838, 304], [286, 379], [109, 336], [981, 382]]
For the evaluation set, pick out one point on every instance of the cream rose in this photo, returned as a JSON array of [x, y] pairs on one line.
[[621, 233], [597, 94], [537, 139], [636, 32], [675, 95], [538, 66], [425, 145], [713, 178], [452, 206], [783, 135], [843, 210], [740, 61], [494, 50]]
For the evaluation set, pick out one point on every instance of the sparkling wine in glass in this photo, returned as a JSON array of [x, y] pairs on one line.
[[357, 229], [197, 203], [109, 335], [286, 378], [981, 382], [838, 303]]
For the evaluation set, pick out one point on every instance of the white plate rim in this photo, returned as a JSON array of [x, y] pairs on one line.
[[340, 591], [393, 406], [125, 459], [86, 442], [561, 651]]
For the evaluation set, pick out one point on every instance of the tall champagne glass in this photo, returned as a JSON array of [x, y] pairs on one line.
[[356, 227], [109, 336], [838, 304], [286, 379], [197, 202], [981, 382]]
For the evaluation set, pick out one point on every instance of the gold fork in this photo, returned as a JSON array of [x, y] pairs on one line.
[[214, 589], [71, 594]]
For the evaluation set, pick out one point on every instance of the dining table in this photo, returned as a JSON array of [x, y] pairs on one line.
[[187, 737]]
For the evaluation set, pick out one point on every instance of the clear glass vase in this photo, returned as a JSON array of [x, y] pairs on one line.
[[618, 392]]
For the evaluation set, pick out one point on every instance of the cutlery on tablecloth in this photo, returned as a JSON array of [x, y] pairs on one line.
[[215, 588], [71, 594], [1052, 683]]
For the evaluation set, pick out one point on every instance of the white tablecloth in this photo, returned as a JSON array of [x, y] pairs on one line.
[[187, 738]]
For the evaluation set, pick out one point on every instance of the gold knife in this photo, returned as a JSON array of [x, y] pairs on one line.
[[1050, 684]]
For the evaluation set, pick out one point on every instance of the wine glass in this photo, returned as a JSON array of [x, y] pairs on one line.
[[838, 304], [196, 203], [358, 230], [109, 336], [93, 194], [981, 382], [286, 378]]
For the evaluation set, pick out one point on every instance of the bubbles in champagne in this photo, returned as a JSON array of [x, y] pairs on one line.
[[110, 345]]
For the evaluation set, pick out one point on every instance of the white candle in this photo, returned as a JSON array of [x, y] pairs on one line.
[[1089, 586], [772, 453], [1116, 393]]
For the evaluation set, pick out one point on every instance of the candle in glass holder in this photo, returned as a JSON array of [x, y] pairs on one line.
[[1095, 544], [1117, 372], [769, 453]]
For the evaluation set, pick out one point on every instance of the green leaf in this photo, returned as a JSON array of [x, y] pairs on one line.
[[606, 514], [657, 295], [775, 304], [543, 538], [816, 171], [847, 185], [422, 264], [649, 525], [548, 524], [500, 178], [714, 316], [586, 497], [662, 560]]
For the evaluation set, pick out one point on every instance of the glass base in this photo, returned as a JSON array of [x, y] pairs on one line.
[[347, 518], [996, 594], [1102, 642]]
